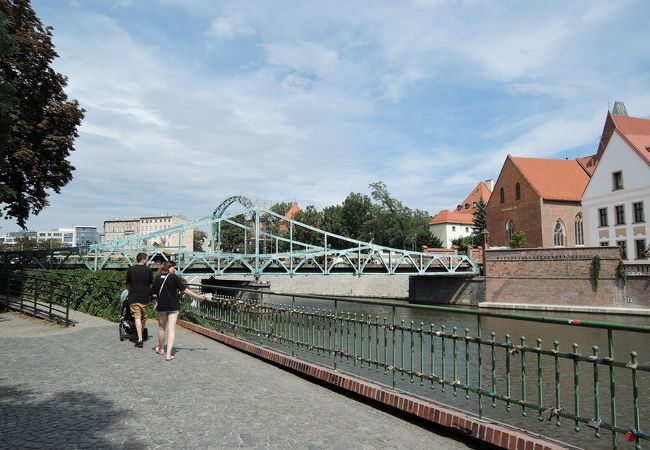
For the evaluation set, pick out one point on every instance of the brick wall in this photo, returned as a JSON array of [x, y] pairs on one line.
[[525, 213], [560, 276]]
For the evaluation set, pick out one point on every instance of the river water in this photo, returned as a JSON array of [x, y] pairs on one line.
[[585, 338]]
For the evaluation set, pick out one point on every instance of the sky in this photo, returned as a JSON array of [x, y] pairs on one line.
[[189, 102]]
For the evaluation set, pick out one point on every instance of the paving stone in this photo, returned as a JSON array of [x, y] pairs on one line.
[[81, 387]]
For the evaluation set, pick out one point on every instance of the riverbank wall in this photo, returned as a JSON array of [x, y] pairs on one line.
[[582, 278]]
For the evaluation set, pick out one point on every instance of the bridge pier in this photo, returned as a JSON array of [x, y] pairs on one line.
[[232, 285], [447, 290]]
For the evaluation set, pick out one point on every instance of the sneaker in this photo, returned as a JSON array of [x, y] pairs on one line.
[[139, 344]]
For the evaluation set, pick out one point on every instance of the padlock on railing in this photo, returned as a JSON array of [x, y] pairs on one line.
[[632, 435], [594, 423]]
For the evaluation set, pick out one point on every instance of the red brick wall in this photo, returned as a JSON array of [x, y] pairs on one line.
[[525, 213], [561, 276], [534, 216], [565, 211]]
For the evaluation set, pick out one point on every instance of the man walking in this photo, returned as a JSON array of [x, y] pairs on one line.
[[139, 280]]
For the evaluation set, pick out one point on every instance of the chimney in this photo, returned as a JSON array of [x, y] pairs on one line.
[[490, 184]]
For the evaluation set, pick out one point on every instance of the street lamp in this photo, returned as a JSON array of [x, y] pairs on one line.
[[484, 238]]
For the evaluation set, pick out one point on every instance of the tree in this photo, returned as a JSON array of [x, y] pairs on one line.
[[41, 123], [462, 243], [198, 238], [479, 217], [435, 242], [518, 240], [281, 208]]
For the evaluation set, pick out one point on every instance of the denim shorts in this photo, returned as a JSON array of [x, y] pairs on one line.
[[167, 313]]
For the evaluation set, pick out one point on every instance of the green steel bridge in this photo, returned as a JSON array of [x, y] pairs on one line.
[[265, 243]]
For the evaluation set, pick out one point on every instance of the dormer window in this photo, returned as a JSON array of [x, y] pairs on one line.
[[466, 205], [617, 180]]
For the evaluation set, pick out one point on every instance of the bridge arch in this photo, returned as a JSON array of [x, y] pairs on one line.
[[224, 205]]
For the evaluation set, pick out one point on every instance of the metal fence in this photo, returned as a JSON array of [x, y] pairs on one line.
[[36, 296], [586, 388]]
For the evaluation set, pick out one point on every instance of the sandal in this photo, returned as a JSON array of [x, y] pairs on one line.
[[171, 357], [159, 351]]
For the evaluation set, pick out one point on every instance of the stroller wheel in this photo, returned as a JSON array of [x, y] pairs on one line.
[[145, 334], [122, 337]]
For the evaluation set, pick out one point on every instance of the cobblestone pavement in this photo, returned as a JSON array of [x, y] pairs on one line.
[[81, 387]]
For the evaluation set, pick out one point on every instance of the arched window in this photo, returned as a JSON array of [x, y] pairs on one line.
[[559, 234], [502, 195], [517, 192], [580, 235], [510, 228]]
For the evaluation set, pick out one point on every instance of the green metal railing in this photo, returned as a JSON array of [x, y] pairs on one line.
[[36, 296], [531, 377]]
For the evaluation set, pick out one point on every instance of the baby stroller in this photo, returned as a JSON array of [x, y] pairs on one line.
[[127, 322]]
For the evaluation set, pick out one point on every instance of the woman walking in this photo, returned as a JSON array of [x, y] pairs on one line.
[[167, 285]]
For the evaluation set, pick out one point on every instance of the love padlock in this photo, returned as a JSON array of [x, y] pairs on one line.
[[632, 435]]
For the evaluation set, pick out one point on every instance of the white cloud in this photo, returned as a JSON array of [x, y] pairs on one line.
[[229, 28]]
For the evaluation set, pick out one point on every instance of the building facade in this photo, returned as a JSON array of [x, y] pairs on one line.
[[542, 199], [117, 229], [449, 225], [617, 198]]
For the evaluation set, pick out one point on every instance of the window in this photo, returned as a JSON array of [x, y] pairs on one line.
[[622, 247], [602, 216], [638, 212], [466, 229], [517, 192], [558, 234], [617, 180], [604, 244], [620, 214], [510, 229], [640, 249], [502, 196], [453, 228], [580, 235]]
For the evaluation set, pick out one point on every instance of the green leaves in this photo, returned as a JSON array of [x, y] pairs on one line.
[[38, 124]]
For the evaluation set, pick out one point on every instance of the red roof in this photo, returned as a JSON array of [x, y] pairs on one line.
[[481, 191], [463, 214], [553, 179], [292, 211], [636, 132], [461, 217]]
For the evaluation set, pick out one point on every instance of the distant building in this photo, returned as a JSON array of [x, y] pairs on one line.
[[540, 197], [450, 225], [75, 236], [617, 198], [117, 229], [10, 238]]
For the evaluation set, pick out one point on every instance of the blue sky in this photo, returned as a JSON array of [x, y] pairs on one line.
[[191, 101]]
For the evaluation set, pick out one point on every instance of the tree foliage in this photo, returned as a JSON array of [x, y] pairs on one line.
[[518, 240], [38, 124], [479, 217], [198, 238]]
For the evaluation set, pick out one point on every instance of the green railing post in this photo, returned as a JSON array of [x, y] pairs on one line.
[[480, 366], [633, 364], [612, 387]]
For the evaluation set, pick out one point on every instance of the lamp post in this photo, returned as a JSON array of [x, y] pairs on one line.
[[484, 245]]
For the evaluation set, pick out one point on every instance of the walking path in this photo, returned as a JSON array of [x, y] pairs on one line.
[[80, 387]]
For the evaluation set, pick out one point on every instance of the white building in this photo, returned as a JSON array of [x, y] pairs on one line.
[[122, 228], [75, 236], [617, 198], [450, 225]]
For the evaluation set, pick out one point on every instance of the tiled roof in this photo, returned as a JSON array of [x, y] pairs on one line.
[[292, 211], [636, 132], [553, 179], [463, 214], [460, 217], [588, 163], [480, 191]]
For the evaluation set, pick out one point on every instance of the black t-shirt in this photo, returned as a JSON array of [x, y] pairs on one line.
[[138, 281], [168, 297]]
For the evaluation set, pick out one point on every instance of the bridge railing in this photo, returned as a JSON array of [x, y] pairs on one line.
[[35, 296], [594, 390]]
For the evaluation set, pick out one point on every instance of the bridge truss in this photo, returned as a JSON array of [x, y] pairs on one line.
[[257, 241]]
